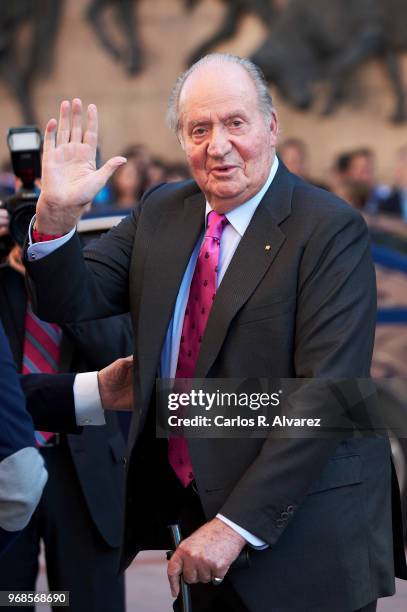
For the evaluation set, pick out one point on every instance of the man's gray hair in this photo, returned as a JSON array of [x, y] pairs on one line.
[[255, 73]]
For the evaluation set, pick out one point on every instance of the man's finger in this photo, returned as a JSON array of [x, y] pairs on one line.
[[90, 136], [190, 572], [64, 124], [204, 574], [105, 172], [126, 362], [174, 571], [76, 128], [124, 369], [49, 135]]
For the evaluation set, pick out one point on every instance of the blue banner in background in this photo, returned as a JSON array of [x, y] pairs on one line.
[[384, 256]]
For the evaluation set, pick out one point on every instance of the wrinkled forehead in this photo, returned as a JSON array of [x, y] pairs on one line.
[[214, 87]]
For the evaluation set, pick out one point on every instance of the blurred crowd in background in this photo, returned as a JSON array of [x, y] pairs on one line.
[[352, 176]]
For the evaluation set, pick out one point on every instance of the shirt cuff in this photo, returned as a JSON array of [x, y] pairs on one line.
[[251, 539], [38, 250], [88, 405]]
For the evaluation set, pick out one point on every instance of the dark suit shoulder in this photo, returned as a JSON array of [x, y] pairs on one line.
[[168, 195], [319, 208], [319, 199]]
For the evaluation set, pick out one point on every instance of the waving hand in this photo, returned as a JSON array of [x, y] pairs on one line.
[[69, 177]]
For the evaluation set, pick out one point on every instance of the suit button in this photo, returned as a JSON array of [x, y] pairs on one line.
[[124, 460], [290, 509], [284, 515], [279, 522]]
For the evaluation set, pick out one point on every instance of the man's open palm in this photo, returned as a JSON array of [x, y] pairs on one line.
[[69, 177]]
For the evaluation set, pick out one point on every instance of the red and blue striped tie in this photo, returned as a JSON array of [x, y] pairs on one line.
[[41, 353]]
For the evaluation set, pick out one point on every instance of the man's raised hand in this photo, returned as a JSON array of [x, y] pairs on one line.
[[69, 177]]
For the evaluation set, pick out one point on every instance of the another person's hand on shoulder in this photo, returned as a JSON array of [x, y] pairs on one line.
[[69, 177], [116, 385]]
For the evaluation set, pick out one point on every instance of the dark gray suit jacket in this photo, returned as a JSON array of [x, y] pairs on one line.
[[305, 307]]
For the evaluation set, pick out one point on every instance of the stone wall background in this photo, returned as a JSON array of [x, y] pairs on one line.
[[133, 110]]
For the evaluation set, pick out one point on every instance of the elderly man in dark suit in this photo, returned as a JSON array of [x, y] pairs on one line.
[[245, 271]]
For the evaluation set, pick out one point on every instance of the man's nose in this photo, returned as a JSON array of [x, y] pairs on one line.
[[219, 144]]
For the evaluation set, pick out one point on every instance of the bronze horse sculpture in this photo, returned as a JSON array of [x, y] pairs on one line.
[[23, 62], [314, 41], [129, 52], [235, 10]]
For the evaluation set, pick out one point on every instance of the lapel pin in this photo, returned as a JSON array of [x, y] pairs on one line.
[[267, 247]]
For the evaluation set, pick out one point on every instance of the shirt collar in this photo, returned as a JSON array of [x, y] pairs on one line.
[[241, 216]]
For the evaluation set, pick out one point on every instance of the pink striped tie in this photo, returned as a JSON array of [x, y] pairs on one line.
[[201, 295], [41, 353]]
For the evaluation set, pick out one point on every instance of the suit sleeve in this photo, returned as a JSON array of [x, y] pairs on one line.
[[87, 284], [100, 342], [334, 337], [71, 285], [50, 401]]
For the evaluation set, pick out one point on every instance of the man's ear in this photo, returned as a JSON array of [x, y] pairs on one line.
[[180, 139], [274, 127]]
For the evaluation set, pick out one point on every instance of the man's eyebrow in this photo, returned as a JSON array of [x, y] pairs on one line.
[[235, 113], [204, 121], [195, 122]]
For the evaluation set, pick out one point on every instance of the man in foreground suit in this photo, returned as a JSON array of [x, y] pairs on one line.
[[81, 507], [294, 297], [82, 504], [22, 471]]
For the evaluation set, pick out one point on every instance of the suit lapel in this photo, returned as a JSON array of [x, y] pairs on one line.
[[177, 233], [254, 255]]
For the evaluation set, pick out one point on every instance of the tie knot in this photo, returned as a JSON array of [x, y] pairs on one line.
[[216, 225]]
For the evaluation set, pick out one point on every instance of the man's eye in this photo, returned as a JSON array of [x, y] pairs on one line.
[[237, 123], [198, 131]]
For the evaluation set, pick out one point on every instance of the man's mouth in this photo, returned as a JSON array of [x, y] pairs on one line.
[[223, 170]]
